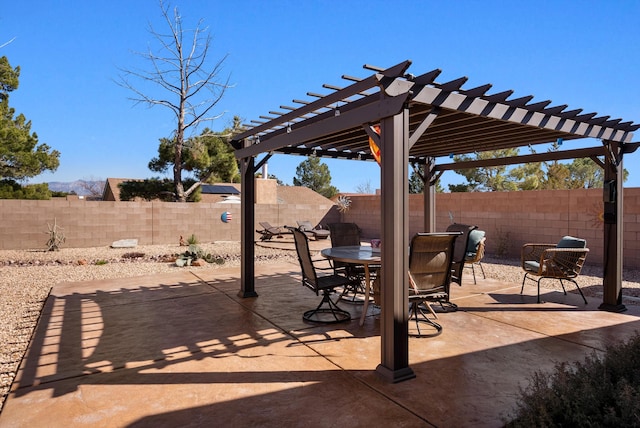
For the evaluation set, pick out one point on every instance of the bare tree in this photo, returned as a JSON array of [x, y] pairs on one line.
[[93, 187], [181, 69], [365, 188]]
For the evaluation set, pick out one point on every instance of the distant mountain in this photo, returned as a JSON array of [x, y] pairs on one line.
[[80, 187]]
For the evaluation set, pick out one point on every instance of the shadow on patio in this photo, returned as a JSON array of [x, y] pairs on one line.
[[183, 350]]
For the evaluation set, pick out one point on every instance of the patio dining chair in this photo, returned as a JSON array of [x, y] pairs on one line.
[[430, 259], [475, 252], [460, 249], [562, 261], [327, 311], [343, 235], [459, 254]]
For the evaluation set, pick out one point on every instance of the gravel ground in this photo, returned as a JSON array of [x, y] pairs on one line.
[[26, 278]]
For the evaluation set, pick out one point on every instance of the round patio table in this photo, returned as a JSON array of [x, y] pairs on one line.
[[357, 255]]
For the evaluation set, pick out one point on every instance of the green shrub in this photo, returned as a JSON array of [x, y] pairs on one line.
[[602, 391], [11, 189]]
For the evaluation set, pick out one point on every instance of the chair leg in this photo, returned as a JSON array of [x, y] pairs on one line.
[[327, 306], [350, 292], [539, 289], [429, 308], [526, 275], [414, 312], [473, 270], [577, 286], [523, 280], [562, 284], [482, 269]]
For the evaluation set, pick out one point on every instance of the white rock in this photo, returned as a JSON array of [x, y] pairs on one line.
[[125, 243]]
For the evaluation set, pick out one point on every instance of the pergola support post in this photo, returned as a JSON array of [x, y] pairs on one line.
[[394, 365], [429, 194], [247, 222], [613, 225]]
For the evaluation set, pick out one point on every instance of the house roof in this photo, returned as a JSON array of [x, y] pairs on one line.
[[219, 189], [111, 190], [285, 194], [299, 194]]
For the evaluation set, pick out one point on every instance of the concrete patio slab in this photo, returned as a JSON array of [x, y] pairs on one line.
[[184, 350]]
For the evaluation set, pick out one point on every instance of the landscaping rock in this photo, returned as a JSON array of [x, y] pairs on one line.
[[125, 243]]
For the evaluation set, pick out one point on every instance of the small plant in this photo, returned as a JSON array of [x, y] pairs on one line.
[[56, 236], [209, 258], [192, 240], [194, 248], [101, 262], [503, 243], [601, 391], [194, 253]]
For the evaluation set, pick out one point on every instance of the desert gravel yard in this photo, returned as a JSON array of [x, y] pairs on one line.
[[26, 278]]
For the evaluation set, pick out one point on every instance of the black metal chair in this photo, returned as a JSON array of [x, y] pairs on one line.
[[344, 235], [460, 249], [430, 259], [327, 311]]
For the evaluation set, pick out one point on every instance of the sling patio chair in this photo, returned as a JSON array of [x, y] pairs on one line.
[[475, 252], [562, 261], [344, 235], [430, 259], [269, 231], [460, 249], [459, 254], [327, 311], [311, 231]]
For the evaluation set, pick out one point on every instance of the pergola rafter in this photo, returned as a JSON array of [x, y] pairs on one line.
[[421, 120]]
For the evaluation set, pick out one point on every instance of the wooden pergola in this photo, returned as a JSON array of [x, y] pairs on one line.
[[419, 121]]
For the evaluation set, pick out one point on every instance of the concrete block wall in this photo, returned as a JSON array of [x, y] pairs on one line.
[[23, 223], [509, 218], [365, 212], [512, 219]]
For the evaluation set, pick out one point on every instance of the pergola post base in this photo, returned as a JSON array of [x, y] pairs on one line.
[[612, 308], [243, 294], [395, 376]]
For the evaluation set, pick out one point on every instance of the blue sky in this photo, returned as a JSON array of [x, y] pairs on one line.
[[582, 53]]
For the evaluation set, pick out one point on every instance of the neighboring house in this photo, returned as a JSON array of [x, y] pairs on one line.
[[220, 192], [111, 190], [268, 193], [300, 195]]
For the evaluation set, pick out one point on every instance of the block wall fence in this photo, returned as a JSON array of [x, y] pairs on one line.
[[510, 219], [24, 224]]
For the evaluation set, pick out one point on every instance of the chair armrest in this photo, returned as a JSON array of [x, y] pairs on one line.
[[563, 262], [532, 252], [329, 265]]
